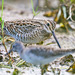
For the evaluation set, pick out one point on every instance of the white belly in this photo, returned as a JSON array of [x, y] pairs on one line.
[[38, 60]]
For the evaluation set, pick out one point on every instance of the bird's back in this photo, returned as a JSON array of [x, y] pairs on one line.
[[27, 31], [43, 54]]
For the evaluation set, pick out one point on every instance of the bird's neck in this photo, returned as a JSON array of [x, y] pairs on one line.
[[20, 51]]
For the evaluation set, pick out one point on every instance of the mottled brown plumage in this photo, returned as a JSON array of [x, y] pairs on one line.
[[30, 31]]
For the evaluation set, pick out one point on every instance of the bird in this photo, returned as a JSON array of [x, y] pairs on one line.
[[30, 31], [38, 55]]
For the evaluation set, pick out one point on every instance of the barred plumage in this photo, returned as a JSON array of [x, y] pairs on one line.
[[29, 31]]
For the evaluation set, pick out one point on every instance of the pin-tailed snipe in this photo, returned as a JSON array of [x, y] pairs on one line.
[[30, 31]]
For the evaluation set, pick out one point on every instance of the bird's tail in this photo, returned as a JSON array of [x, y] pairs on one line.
[[66, 51], [71, 50]]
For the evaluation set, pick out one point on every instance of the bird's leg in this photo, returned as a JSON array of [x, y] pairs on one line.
[[41, 69], [5, 40], [9, 39], [44, 68]]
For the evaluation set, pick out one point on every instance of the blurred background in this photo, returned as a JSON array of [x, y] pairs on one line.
[[22, 9], [40, 3]]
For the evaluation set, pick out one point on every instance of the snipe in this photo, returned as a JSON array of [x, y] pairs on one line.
[[30, 31]]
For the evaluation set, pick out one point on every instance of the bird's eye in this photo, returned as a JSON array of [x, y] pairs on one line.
[[47, 24], [14, 46]]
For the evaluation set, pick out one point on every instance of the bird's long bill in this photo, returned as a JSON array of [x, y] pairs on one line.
[[8, 52], [56, 39]]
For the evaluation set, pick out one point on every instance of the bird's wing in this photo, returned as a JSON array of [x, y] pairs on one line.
[[47, 51], [44, 52], [14, 27]]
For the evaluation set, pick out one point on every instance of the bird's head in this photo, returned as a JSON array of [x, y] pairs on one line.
[[15, 47], [50, 26]]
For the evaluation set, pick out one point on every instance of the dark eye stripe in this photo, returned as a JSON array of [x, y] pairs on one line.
[[52, 23]]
